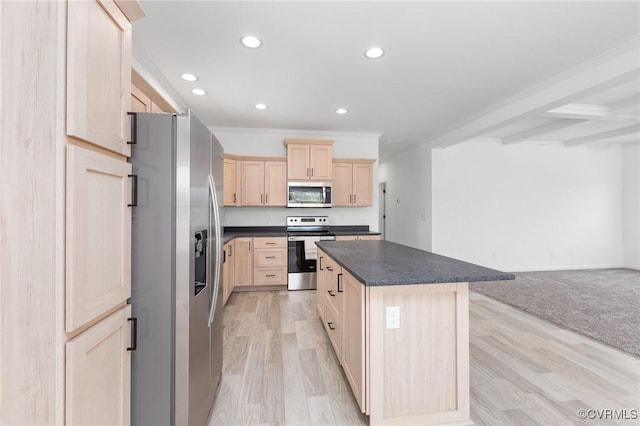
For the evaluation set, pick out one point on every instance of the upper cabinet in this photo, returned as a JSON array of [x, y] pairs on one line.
[[352, 182], [309, 159], [99, 74], [263, 183], [230, 182]]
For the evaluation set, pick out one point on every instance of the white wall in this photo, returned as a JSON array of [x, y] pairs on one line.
[[631, 205], [408, 178], [268, 142], [529, 207]]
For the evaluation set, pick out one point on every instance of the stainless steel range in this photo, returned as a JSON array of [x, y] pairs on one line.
[[302, 234]]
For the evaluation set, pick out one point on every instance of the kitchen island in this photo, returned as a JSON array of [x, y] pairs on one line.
[[398, 320]]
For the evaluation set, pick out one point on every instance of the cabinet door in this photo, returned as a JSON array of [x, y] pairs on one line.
[[230, 195], [362, 184], [98, 373], [228, 272], [252, 183], [320, 162], [333, 326], [139, 101], [243, 262], [322, 283], [353, 329], [98, 74], [275, 183], [342, 194], [298, 167], [346, 237], [98, 235]]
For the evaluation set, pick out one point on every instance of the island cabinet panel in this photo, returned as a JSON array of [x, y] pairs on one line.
[[353, 341], [98, 380], [425, 361], [321, 289], [98, 74]]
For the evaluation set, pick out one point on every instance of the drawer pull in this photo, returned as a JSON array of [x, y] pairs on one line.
[[329, 268], [270, 244], [331, 293], [269, 257], [270, 275], [330, 324]]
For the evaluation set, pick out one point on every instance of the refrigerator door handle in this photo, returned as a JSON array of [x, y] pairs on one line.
[[216, 218]]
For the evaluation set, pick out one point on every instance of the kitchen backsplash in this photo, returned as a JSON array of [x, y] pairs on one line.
[[276, 216]]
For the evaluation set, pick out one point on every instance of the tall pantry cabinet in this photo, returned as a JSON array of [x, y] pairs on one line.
[[65, 328]]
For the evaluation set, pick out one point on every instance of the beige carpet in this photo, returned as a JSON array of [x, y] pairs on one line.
[[603, 304]]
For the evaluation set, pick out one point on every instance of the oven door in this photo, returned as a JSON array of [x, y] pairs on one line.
[[309, 194], [301, 266]]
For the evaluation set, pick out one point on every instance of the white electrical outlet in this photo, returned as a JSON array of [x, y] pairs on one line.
[[393, 317]]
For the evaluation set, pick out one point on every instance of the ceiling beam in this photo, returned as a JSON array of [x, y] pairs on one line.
[[540, 130], [604, 135], [577, 111], [616, 67]]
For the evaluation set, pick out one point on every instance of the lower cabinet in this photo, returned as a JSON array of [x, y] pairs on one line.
[[98, 379], [413, 374], [243, 263], [259, 261], [228, 272], [270, 261], [353, 330]]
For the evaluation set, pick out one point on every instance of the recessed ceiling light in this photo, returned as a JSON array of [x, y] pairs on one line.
[[189, 77], [261, 106], [374, 52], [251, 42], [341, 111], [198, 92]]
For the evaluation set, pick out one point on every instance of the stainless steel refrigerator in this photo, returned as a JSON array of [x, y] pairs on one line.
[[176, 270]]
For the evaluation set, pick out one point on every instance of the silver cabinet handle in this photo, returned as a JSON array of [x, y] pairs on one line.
[[269, 257]]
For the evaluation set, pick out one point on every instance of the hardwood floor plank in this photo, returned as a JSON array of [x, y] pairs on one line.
[[311, 376], [280, 368], [320, 411], [295, 400]]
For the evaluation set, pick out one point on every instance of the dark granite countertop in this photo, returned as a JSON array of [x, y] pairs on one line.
[[231, 232], [377, 263]]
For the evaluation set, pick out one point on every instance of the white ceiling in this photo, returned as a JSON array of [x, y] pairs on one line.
[[445, 63]]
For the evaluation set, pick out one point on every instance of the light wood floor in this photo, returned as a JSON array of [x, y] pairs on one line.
[[280, 368]]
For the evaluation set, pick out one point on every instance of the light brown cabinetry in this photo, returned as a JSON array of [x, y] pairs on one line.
[[309, 159], [263, 183], [414, 374], [65, 250], [352, 183], [230, 182], [243, 262], [98, 378], [270, 261], [98, 240], [228, 272], [357, 237], [140, 102], [98, 74]]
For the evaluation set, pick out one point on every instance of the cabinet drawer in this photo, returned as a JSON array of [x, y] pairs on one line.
[[270, 276], [269, 258], [271, 242], [333, 325]]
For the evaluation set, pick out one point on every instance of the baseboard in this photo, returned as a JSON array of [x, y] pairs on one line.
[[635, 268], [564, 268]]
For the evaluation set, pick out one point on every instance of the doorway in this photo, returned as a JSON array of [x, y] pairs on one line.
[[382, 213]]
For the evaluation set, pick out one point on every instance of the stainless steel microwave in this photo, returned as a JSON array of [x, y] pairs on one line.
[[309, 194]]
